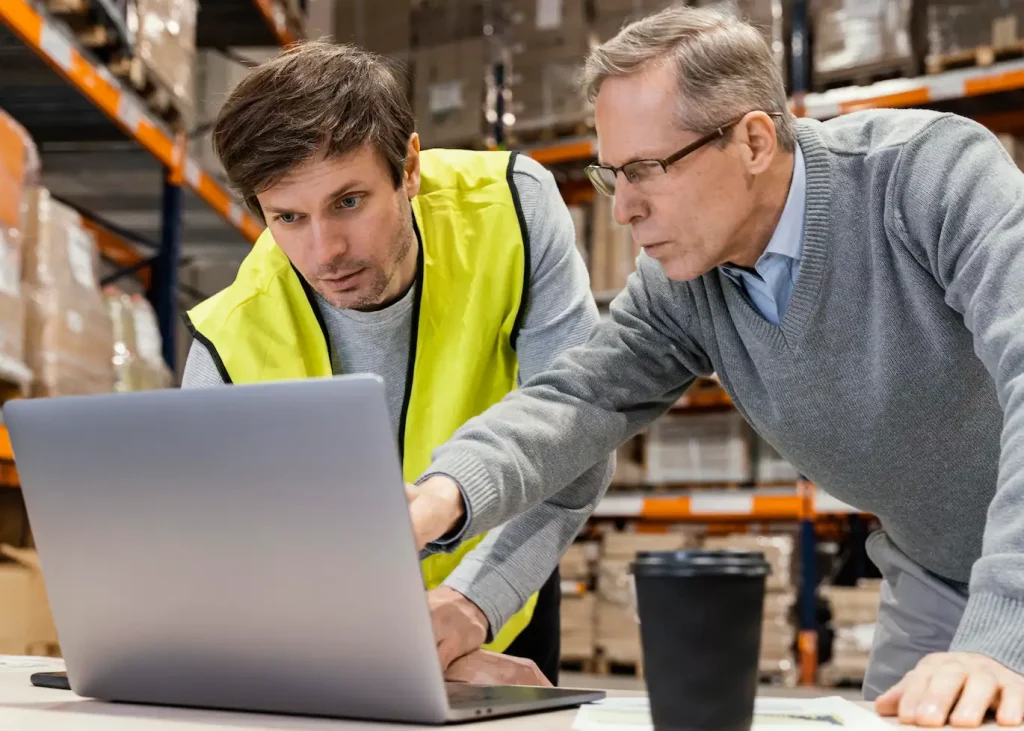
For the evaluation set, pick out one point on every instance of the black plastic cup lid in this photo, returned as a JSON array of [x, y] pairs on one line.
[[700, 563]]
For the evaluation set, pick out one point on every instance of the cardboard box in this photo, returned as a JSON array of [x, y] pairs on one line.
[[26, 624], [779, 552], [166, 44], [863, 36], [70, 338], [710, 448], [613, 253], [450, 92], [578, 626], [384, 28], [958, 26], [624, 545], [19, 170], [437, 22], [575, 563]]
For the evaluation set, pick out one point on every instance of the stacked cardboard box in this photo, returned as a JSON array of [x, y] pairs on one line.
[[548, 42], [862, 39], [771, 466], [138, 358], [155, 373], [778, 630], [956, 26], [854, 614], [70, 334], [436, 22], [450, 93], [578, 604], [629, 468], [384, 28], [19, 170], [580, 215], [166, 43], [618, 633], [26, 624], [692, 448], [771, 17], [612, 250]]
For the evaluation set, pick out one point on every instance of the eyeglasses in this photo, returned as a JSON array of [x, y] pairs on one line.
[[638, 171]]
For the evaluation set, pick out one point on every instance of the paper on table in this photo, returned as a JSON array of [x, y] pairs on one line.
[[770, 714], [30, 662]]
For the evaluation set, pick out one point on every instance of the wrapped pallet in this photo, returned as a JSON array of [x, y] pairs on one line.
[[964, 31], [618, 632], [155, 371], [854, 614], [70, 334], [578, 626], [127, 365], [778, 630], [19, 171], [856, 41], [449, 94], [166, 45], [613, 253], [699, 448], [548, 44]]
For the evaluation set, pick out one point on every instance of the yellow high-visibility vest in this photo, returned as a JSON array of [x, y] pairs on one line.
[[471, 298]]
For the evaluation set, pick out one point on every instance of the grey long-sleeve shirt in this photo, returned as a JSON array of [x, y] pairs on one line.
[[517, 558], [895, 380]]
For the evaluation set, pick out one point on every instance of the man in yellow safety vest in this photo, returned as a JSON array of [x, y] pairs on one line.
[[452, 274]]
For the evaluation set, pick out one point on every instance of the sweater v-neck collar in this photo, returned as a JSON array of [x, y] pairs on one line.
[[815, 250]]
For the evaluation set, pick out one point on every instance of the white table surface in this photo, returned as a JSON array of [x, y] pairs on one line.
[[24, 707]]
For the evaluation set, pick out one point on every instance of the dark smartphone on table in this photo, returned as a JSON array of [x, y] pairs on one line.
[[55, 680]]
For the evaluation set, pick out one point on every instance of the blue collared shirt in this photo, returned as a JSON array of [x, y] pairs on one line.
[[771, 288]]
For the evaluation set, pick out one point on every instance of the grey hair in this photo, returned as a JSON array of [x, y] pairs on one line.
[[723, 65]]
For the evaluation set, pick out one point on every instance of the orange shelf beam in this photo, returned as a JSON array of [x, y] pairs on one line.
[[274, 16], [6, 452]]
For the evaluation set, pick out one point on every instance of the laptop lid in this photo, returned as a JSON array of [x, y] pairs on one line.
[[245, 547]]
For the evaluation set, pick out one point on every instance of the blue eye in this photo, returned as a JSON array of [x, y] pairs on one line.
[[349, 202], [288, 217]]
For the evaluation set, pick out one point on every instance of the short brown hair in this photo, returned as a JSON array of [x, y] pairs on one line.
[[314, 98], [724, 67]]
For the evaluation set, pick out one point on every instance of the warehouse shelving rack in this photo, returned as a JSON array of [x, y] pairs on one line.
[[60, 94]]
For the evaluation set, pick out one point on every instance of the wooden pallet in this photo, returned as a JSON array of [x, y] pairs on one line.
[[981, 56], [611, 666], [864, 75], [163, 103], [571, 664]]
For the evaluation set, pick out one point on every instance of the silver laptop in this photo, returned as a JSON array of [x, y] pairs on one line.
[[245, 548]]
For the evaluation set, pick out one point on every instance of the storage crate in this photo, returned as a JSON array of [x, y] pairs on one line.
[[699, 448]]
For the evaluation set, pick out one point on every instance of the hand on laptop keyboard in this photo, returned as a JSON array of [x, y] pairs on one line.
[[481, 667]]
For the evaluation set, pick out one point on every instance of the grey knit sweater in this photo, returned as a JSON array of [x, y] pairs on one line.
[[895, 379], [515, 560]]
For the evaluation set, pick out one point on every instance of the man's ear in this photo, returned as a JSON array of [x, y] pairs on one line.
[[411, 175], [756, 132]]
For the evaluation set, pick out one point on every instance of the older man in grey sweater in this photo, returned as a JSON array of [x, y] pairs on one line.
[[858, 285]]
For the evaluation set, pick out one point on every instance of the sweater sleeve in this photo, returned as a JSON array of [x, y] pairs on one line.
[[517, 558], [563, 421], [956, 200]]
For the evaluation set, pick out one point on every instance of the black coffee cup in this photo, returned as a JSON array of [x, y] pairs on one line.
[[700, 624]]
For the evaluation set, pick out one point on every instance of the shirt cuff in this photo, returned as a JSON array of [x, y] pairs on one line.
[[484, 585], [992, 626], [451, 540]]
